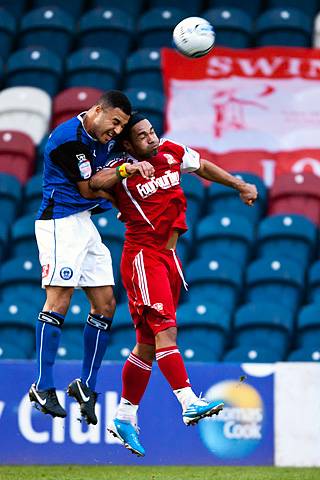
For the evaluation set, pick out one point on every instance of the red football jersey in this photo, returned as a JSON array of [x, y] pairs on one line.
[[153, 208]]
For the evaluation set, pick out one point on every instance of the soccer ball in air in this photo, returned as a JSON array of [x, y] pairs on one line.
[[194, 37]]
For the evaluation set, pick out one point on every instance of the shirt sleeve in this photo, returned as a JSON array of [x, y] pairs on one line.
[[75, 159], [190, 160]]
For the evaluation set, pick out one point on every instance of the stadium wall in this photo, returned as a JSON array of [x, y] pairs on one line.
[[271, 416]]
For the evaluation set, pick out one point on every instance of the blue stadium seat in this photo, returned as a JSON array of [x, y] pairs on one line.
[[106, 27], [284, 26], [275, 278], [4, 238], [224, 199], [23, 237], [252, 355], [156, 25], [23, 275], [214, 279], [123, 337], [291, 236], [263, 324], [7, 32], [308, 327], [233, 26], [93, 67], [250, 7], [151, 103], [185, 246], [195, 193], [17, 322], [34, 67], [41, 25], [36, 298], [10, 351], [191, 7], [73, 8], [143, 69], [10, 197], [314, 283], [311, 7], [33, 194], [304, 355], [203, 331], [232, 235], [128, 6]]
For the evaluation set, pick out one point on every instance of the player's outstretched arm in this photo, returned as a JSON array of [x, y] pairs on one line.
[[210, 171], [106, 178]]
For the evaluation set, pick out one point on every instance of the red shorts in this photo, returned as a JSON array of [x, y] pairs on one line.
[[153, 283]]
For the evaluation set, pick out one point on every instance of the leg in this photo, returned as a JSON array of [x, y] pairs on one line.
[[96, 338]]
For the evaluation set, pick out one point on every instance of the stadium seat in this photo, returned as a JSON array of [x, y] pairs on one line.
[[17, 322], [250, 7], [185, 247], [4, 238], [10, 196], [263, 324], [314, 282], [156, 25], [93, 67], [128, 6], [73, 8], [123, 337], [223, 199], [291, 236], [191, 7], [151, 103], [308, 327], [283, 26], [41, 25], [296, 193], [10, 351], [143, 69], [214, 278], [71, 102], [203, 331], [23, 237], [23, 274], [232, 235], [304, 355], [17, 152], [40, 154], [310, 7], [252, 355], [195, 193], [36, 298], [7, 32], [34, 67], [275, 278], [106, 27], [33, 194], [27, 110], [233, 26], [15, 8]]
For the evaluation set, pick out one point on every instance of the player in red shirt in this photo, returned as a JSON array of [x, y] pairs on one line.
[[146, 185]]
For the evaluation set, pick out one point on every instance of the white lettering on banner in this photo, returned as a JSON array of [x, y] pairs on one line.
[[77, 434], [111, 405], [303, 163], [25, 423], [2, 405], [168, 180], [247, 431]]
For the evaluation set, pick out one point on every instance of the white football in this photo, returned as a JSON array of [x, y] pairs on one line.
[[194, 37]]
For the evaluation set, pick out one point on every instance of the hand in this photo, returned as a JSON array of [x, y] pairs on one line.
[[145, 169], [248, 193]]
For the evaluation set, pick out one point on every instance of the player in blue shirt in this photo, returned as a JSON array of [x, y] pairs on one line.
[[71, 251]]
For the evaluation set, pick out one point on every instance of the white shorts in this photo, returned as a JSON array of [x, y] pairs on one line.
[[72, 254]]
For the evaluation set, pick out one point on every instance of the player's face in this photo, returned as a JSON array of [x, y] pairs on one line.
[[143, 139], [107, 123]]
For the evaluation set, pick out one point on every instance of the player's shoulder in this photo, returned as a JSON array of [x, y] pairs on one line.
[[66, 132]]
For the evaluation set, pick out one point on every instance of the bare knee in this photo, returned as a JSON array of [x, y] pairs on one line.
[[102, 301], [166, 338], [106, 309], [58, 299], [145, 352]]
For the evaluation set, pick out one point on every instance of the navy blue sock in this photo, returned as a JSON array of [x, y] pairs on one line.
[[96, 336], [48, 333]]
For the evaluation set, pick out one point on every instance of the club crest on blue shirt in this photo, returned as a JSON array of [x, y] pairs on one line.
[[66, 273], [84, 166]]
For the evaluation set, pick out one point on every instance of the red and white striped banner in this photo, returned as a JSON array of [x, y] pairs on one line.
[[251, 110]]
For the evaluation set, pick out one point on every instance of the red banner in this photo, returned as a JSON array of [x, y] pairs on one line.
[[254, 110]]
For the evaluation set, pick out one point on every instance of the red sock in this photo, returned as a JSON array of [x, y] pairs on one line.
[[172, 366], [135, 377]]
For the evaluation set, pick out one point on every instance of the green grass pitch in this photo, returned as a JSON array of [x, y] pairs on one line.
[[77, 472]]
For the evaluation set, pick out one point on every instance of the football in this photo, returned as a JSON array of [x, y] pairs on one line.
[[194, 37]]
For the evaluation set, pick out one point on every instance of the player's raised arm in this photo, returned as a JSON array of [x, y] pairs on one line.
[[106, 178], [210, 171]]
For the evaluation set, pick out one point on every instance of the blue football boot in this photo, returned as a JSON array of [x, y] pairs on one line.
[[128, 435], [201, 409]]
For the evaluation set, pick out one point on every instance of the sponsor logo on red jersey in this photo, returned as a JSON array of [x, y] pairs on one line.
[[168, 180]]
